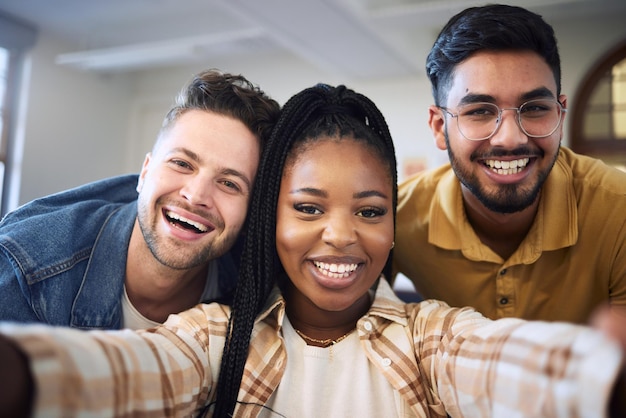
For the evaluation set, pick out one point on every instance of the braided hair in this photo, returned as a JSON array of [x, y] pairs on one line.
[[319, 111]]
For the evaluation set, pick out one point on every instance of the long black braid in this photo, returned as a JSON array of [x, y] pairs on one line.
[[314, 112]]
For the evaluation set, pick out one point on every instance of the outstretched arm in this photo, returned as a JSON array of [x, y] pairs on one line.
[[617, 408], [508, 366], [16, 393], [612, 321], [60, 371]]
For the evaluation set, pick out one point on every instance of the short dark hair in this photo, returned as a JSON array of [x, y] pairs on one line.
[[317, 112], [230, 95], [494, 27]]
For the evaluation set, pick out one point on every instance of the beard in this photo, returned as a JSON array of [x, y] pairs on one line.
[[179, 255], [507, 198]]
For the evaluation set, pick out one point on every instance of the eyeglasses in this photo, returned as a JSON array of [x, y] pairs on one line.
[[536, 118]]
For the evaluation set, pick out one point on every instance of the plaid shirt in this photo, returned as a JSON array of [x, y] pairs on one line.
[[441, 360]]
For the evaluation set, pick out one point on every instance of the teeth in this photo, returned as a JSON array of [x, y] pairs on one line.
[[198, 226], [507, 167], [336, 271]]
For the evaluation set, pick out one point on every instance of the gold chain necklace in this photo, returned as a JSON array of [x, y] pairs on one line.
[[324, 343]]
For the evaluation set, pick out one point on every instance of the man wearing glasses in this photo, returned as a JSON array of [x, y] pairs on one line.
[[516, 225]]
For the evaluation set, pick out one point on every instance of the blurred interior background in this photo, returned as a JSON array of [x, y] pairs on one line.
[[86, 83]]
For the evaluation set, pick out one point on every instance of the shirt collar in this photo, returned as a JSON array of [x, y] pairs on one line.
[[274, 307], [385, 305], [555, 226]]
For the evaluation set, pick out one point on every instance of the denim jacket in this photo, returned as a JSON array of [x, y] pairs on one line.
[[63, 257]]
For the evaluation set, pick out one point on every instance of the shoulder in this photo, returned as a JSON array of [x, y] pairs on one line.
[[62, 228], [424, 179], [101, 194], [585, 171], [93, 199], [423, 184]]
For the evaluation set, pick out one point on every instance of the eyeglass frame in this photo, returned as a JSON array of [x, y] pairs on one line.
[[563, 110]]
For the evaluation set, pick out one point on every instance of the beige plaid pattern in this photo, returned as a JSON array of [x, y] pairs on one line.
[[441, 360]]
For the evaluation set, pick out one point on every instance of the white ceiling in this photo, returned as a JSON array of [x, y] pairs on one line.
[[353, 38]]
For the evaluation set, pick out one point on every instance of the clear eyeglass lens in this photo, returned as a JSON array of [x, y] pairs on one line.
[[537, 118]]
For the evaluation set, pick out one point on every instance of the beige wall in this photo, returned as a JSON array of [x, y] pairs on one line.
[[81, 127], [75, 125]]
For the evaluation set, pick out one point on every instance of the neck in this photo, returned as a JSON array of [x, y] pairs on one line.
[[502, 232], [320, 327], [156, 290], [156, 299]]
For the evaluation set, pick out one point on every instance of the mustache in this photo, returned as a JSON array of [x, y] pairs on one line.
[[497, 153], [211, 217]]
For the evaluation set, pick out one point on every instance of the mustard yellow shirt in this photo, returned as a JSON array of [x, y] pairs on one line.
[[573, 258]]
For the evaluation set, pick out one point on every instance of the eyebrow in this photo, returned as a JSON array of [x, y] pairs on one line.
[[226, 171], [321, 193], [236, 173], [540, 92], [187, 152], [369, 193], [476, 98], [310, 190]]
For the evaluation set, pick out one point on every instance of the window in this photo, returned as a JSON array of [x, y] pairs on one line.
[[599, 116], [4, 76], [16, 39]]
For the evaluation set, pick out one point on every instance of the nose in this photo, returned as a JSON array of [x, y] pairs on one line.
[[339, 232], [198, 190], [509, 133]]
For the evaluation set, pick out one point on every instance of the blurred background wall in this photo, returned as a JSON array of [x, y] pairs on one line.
[[78, 125]]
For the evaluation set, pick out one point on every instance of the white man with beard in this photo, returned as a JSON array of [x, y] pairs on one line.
[[127, 251], [516, 225]]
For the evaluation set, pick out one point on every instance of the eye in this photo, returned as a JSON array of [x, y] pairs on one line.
[[231, 185], [479, 110], [181, 163], [307, 209], [372, 212], [537, 108]]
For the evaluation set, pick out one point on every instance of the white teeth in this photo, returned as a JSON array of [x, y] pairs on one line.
[[507, 167], [335, 270], [198, 226]]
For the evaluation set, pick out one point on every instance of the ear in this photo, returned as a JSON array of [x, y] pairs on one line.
[[437, 122], [563, 100], [144, 170]]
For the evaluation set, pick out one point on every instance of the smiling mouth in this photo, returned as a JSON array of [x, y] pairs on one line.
[[507, 167], [335, 270], [188, 224]]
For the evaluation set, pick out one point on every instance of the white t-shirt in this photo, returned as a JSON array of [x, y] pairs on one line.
[[133, 319], [335, 381]]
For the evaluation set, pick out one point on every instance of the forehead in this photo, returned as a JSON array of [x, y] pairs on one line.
[[506, 76], [194, 124], [344, 161], [213, 137]]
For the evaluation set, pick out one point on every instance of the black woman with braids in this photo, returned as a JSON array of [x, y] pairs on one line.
[[315, 329]]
